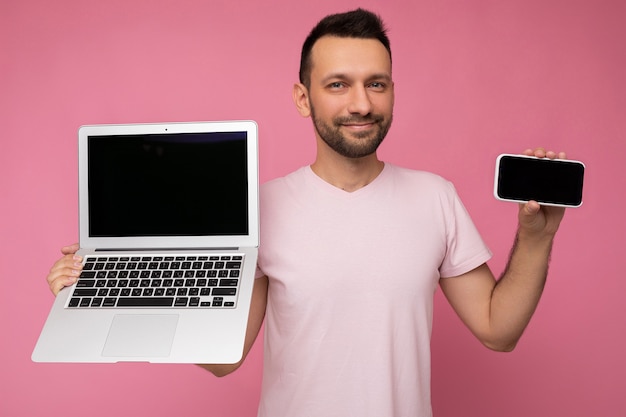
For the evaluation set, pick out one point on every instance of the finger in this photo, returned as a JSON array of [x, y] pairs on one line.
[[61, 278], [556, 155], [64, 272], [70, 249], [57, 285], [69, 262], [531, 208], [539, 152]]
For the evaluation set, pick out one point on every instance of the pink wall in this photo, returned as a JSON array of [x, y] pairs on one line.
[[473, 79]]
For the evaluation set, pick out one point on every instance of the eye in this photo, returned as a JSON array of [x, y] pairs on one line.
[[336, 85], [376, 85]]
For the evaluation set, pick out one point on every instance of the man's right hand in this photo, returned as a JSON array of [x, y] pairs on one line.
[[66, 270]]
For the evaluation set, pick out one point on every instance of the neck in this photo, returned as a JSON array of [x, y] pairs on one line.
[[348, 174]]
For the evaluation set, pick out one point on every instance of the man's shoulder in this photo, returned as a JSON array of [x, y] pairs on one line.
[[411, 175], [288, 180]]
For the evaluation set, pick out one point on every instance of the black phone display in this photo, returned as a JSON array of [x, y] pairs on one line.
[[556, 182]]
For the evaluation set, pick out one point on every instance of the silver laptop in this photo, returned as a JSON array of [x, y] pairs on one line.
[[169, 231]]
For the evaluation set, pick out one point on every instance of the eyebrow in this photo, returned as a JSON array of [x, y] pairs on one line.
[[343, 76]]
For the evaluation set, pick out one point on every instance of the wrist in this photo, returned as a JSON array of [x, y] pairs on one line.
[[534, 238]]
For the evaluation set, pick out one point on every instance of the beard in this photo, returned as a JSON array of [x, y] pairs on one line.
[[363, 144]]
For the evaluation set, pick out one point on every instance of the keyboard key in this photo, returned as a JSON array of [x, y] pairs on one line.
[[145, 302], [109, 302], [181, 302], [83, 292], [224, 291]]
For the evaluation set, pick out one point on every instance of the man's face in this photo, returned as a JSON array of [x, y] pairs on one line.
[[351, 94]]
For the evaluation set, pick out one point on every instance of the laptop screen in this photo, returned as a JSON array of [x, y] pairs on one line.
[[170, 184]]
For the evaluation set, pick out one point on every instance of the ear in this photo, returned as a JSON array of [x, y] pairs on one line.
[[301, 99]]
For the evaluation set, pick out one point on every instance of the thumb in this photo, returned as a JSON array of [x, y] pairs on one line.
[[528, 214]]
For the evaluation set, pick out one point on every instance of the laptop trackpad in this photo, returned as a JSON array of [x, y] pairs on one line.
[[137, 335]]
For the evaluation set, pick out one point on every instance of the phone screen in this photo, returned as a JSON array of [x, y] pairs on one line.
[[552, 182]]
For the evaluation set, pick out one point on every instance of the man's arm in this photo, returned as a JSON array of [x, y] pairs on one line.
[[497, 312], [255, 319]]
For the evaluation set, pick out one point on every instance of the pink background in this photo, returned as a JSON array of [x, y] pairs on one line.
[[473, 79]]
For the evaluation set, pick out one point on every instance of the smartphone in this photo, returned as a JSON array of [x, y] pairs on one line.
[[553, 182]]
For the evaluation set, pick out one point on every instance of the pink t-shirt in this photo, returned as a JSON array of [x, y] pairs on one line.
[[352, 278]]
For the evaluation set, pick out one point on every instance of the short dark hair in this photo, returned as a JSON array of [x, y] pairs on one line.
[[358, 23]]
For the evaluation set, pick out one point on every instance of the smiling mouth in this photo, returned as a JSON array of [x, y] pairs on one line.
[[358, 125], [359, 122]]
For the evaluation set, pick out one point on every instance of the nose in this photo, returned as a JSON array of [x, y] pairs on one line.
[[360, 102]]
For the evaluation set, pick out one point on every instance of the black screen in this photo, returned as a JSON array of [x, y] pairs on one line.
[[185, 184], [542, 180]]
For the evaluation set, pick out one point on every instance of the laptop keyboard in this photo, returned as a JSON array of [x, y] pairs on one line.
[[158, 281]]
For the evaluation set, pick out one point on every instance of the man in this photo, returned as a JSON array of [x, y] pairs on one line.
[[353, 249]]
